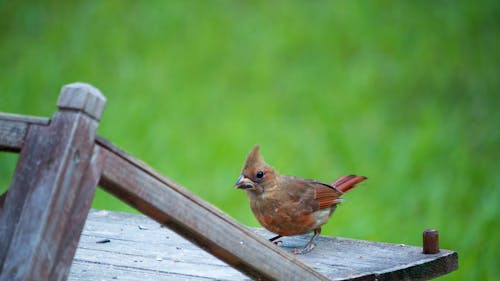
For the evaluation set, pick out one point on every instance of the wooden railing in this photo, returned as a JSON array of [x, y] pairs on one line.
[[62, 161]]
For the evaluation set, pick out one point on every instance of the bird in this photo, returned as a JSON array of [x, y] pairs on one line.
[[289, 205]]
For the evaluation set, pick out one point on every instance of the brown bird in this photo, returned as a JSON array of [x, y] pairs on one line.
[[288, 205]]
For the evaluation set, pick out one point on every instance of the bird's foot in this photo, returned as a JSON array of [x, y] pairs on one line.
[[305, 250], [310, 245]]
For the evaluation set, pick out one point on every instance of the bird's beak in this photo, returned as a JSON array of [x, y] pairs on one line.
[[244, 183]]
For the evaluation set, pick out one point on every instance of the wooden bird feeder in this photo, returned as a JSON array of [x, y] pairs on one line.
[[49, 232]]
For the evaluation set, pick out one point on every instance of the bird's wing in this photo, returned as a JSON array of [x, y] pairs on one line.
[[325, 194]]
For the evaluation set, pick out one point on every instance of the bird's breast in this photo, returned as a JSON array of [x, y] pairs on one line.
[[284, 216]]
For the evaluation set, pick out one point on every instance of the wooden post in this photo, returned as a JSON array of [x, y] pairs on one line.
[[52, 189]]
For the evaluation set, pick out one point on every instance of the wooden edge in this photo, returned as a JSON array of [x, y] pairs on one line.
[[174, 206], [24, 119], [423, 270]]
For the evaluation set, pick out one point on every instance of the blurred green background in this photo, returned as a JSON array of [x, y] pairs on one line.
[[403, 92]]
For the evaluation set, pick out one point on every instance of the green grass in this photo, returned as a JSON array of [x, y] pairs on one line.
[[403, 93]]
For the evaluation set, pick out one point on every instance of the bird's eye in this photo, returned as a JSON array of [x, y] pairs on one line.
[[259, 174]]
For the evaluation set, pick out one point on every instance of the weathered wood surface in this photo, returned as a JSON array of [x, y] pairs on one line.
[[141, 249], [47, 203], [13, 129]]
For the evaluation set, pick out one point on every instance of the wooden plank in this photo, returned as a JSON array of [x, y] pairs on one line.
[[139, 244], [13, 129], [141, 249], [50, 194], [169, 203]]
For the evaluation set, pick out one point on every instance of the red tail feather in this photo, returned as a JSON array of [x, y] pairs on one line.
[[346, 183]]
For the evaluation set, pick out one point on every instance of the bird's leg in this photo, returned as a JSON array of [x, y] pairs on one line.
[[310, 245], [274, 238]]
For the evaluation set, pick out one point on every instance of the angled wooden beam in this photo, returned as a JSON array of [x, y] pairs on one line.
[[50, 195]]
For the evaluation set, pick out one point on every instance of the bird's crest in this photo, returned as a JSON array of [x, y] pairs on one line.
[[254, 159]]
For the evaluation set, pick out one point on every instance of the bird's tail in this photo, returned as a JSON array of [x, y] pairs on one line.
[[347, 183]]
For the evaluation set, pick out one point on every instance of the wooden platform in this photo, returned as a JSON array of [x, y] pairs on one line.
[[122, 246]]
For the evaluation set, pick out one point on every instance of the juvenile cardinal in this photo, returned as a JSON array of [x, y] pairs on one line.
[[288, 205]]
